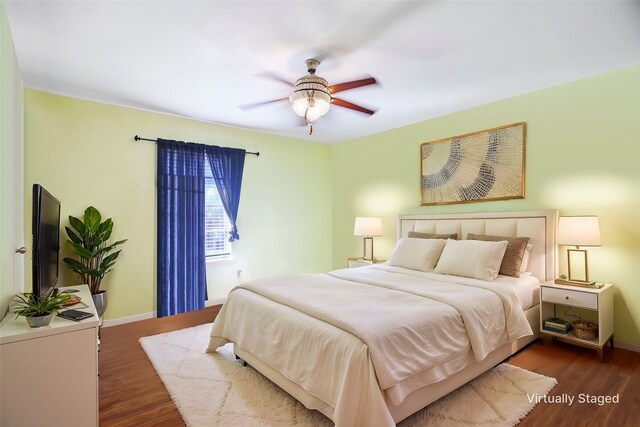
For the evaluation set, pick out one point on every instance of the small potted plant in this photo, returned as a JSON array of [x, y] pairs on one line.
[[95, 256], [38, 311]]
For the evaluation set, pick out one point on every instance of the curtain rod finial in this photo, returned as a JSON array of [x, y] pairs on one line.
[[136, 138]]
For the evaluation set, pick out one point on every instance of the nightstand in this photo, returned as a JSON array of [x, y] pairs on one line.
[[594, 304], [361, 262]]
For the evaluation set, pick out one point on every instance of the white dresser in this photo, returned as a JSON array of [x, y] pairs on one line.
[[49, 375]]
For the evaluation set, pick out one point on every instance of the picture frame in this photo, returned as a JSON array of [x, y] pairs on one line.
[[480, 166]]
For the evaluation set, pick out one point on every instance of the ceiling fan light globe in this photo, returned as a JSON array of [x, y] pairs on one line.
[[310, 104], [318, 110], [321, 107], [300, 105]]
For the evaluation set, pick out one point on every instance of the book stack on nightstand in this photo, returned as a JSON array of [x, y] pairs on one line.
[[556, 324]]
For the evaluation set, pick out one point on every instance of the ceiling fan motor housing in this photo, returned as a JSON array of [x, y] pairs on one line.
[[312, 65]]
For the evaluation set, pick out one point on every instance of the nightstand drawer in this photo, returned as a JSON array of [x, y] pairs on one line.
[[567, 297]]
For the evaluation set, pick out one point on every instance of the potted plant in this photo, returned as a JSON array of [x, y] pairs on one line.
[[38, 311], [95, 256]]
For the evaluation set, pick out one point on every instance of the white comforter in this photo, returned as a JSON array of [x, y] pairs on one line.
[[367, 330]]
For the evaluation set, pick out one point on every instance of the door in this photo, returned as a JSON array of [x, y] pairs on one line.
[[18, 183], [11, 169]]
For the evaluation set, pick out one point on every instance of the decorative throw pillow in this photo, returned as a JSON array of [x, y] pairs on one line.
[[525, 258], [417, 254], [513, 255], [471, 258], [417, 235]]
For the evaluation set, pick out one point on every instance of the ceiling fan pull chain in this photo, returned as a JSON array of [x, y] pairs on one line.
[[308, 121]]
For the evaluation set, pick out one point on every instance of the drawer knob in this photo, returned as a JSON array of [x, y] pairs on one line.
[[567, 297]]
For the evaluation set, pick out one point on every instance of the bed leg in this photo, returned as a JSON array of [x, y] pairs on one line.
[[244, 362]]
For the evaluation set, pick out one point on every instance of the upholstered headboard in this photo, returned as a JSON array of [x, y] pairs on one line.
[[539, 226]]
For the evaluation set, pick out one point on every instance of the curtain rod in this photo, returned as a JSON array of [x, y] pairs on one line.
[[139, 138]]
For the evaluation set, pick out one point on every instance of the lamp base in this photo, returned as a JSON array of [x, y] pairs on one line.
[[364, 249], [578, 253]]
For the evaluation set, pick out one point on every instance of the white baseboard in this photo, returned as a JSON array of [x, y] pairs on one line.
[[217, 301], [151, 315], [128, 319], [626, 345]]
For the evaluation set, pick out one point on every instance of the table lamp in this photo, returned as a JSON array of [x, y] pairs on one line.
[[579, 231], [367, 227]]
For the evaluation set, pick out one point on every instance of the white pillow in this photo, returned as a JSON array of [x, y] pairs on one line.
[[525, 258], [417, 254], [472, 258]]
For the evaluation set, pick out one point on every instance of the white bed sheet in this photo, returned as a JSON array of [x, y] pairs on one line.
[[527, 289], [350, 379], [527, 286]]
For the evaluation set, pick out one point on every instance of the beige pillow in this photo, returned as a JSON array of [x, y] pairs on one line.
[[417, 235], [513, 255], [471, 258], [525, 258], [417, 254]]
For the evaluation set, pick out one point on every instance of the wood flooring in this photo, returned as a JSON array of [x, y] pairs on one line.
[[131, 393], [579, 371]]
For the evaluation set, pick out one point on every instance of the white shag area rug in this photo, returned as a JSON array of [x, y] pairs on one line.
[[214, 389]]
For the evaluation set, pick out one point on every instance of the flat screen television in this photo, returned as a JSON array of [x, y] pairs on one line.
[[46, 240]]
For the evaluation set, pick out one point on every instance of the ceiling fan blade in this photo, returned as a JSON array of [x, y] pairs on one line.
[[346, 104], [260, 104], [351, 85], [275, 77]]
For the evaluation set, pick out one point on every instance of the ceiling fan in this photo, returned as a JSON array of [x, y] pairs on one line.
[[312, 95]]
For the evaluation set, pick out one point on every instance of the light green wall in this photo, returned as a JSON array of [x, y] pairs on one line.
[[583, 157], [10, 164], [83, 153], [299, 199]]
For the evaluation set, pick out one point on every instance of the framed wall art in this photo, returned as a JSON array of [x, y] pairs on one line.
[[475, 167]]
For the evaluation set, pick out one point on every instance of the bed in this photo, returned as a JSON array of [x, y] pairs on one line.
[[372, 345]]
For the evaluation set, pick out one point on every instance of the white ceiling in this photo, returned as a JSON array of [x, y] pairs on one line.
[[201, 59]]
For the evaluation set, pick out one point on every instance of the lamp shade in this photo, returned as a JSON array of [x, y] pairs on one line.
[[368, 226], [579, 231]]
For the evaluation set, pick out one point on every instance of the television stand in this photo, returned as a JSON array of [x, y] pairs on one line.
[[43, 369]]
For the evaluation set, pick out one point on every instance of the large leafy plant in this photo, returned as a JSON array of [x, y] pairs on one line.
[[31, 305], [94, 255]]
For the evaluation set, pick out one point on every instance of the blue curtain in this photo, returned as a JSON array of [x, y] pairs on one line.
[[227, 165], [182, 282]]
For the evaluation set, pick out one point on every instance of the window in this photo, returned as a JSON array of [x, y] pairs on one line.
[[216, 223]]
